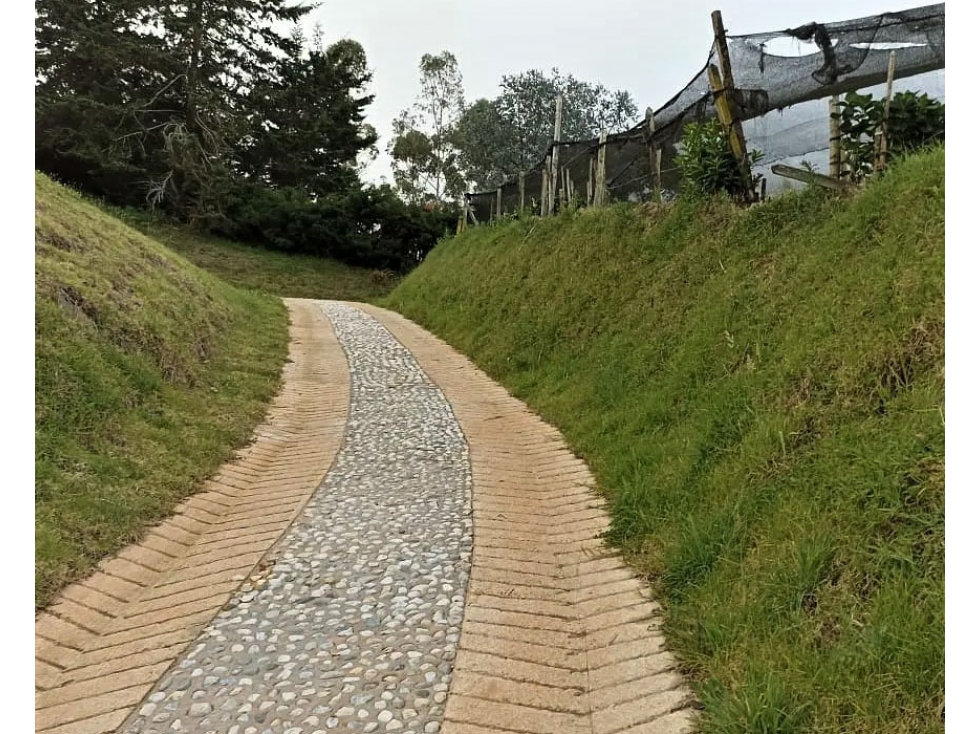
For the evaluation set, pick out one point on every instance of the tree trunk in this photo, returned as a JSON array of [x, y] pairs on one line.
[[196, 18]]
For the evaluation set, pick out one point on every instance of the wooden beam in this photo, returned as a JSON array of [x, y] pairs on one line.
[[724, 88], [800, 174], [521, 186], [499, 203], [725, 113]]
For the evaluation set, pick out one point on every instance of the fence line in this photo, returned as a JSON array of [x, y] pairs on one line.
[[749, 81]]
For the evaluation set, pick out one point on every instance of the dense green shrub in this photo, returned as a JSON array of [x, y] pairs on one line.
[[707, 165], [370, 227], [915, 120]]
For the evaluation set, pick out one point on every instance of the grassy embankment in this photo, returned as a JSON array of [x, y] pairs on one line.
[[257, 268], [149, 373], [761, 396]]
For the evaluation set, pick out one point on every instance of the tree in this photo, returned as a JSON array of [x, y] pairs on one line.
[[498, 138], [93, 66], [425, 158], [154, 92], [306, 125], [221, 49]]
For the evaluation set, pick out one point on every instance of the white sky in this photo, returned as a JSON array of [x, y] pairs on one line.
[[651, 49]]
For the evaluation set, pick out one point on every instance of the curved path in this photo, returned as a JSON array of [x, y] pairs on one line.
[[404, 548]]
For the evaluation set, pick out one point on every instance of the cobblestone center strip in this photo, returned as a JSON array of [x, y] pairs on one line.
[[355, 622]]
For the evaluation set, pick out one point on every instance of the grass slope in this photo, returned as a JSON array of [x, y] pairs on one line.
[[760, 394], [277, 273], [148, 371]]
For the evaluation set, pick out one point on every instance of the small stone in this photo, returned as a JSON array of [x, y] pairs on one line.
[[201, 709], [432, 727], [148, 709], [385, 716], [345, 711]]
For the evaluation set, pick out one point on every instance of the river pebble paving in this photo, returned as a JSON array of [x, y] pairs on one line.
[[353, 623]]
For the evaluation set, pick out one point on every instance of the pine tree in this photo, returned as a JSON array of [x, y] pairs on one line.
[[306, 126]]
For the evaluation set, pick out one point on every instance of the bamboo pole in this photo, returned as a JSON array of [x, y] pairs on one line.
[[880, 162], [724, 89], [834, 136], [600, 189]]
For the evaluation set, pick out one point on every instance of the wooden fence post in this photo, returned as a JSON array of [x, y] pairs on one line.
[[544, 193], [590, 186], [499, 203], [600, 170], [722, 82], [834, 136], [522, 187], [555, 182], [654, 156]]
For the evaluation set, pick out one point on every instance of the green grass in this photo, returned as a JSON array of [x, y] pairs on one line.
[[148, 374], [256, 268], [760, 394]]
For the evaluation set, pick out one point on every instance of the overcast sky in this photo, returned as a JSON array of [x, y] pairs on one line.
[[650, 49]]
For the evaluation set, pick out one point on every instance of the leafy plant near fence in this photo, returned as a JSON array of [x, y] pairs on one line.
[[707, 165], [914, 120]]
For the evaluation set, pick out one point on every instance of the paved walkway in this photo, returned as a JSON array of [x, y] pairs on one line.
[[404, 548]]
